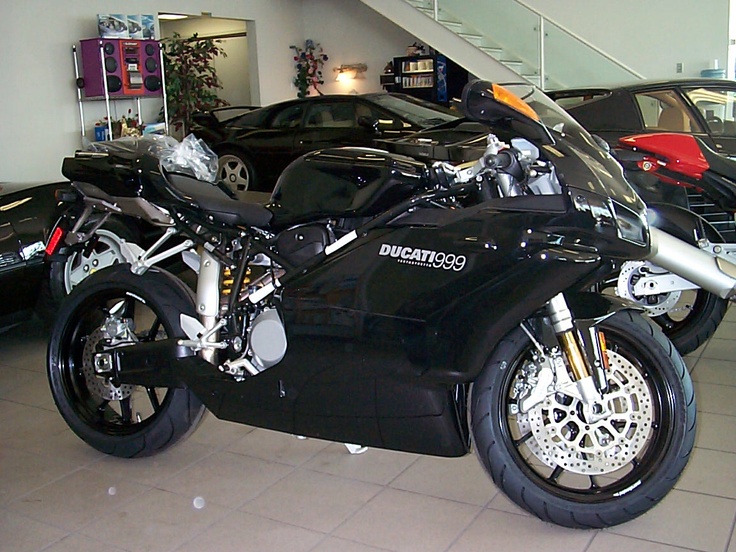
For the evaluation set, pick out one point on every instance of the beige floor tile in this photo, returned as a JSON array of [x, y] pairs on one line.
[[372, 466], [312, 500], [689, 520], [86, 496], [157, 521], [502, 531], [727, 327], [718, 372], [407, 522], [333, 544], [219, 434], [460, 479], [22, 422], [35, 393], [243, 532], [80, 543], [19, 533], [732, 545], [13, 378], [21, 351], [607, 542], [227, 479], [504, 504], [278, 447], [64, 445], [153, 470], [710, 472], [712, 428], [720, 349], [716, 399], [22, 472]]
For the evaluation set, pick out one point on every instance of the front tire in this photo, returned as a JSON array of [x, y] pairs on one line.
[[572, 471], [121, 420]]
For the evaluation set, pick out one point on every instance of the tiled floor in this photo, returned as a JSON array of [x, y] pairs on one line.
[[232, 487]]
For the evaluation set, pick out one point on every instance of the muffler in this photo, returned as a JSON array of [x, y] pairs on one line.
[[709, 272]]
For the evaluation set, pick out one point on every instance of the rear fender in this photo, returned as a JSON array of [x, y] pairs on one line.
[[681, 223]]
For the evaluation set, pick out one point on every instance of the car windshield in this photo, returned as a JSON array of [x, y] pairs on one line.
[[552, 115], [418, 112]]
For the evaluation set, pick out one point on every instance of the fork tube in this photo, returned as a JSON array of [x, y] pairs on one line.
[[566, 333], [208, 297]]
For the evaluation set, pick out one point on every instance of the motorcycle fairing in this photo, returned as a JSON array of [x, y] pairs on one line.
[[378, 348]]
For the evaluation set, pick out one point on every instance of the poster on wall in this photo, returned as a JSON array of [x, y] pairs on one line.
[[112, 25], [135, 27], [147, 22]]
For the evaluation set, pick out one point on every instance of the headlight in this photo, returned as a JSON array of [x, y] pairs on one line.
[[631, 226], [609, 214]]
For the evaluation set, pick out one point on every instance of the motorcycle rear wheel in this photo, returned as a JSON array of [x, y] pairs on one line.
[[121, 420], [688, 318], [573, 472]]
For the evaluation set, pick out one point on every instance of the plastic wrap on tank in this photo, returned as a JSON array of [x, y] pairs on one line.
[[190, 156], [193, 157]]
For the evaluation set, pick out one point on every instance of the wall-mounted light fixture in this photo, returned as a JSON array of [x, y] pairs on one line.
[[350, 71]]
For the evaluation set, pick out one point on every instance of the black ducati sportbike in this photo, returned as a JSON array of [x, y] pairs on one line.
[[378, 301]]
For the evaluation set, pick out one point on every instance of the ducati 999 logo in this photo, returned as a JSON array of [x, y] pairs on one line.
[[423, 257]]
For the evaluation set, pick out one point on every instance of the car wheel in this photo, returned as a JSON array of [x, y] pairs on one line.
[[236, 173]]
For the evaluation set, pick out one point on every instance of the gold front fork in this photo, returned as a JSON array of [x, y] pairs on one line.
[[590, 379]]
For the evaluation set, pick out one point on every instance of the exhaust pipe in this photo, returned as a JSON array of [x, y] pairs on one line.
[[711, 273]]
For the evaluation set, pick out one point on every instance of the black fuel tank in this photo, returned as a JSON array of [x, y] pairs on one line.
[[343, 183]]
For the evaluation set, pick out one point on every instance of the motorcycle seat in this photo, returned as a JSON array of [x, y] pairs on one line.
[[216, 202], [717, 162]]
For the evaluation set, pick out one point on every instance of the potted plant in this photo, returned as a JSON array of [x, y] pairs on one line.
[[309, 62], [191, 78]]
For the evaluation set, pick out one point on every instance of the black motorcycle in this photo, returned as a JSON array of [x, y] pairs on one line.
[[381, 302]]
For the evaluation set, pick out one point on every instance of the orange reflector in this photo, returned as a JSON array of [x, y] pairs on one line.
[[507, 97], [604, 350], [54, 241]]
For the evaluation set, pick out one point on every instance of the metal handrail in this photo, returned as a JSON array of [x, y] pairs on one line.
[[541, 34]]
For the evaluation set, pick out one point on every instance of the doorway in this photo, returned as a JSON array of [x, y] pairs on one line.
[[235, 70]]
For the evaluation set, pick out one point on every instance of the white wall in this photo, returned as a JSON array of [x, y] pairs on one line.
[[350, 32], [650, 36], [39, 110]]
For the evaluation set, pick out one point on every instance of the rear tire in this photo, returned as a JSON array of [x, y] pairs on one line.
[[121, 420], [570, 470]]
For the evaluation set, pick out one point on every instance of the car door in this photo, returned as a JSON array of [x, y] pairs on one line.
[[715, 106], [23, 219]]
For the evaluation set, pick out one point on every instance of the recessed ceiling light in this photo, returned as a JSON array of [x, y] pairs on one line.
[[171, 16]]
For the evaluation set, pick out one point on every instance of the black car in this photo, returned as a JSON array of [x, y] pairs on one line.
[[704, 107], [255, 147], [28, 213]]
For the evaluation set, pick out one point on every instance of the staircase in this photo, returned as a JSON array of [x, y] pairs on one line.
[[515, 41]]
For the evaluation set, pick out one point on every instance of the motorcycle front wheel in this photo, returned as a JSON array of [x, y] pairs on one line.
[[573, 470], [114, 306]]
